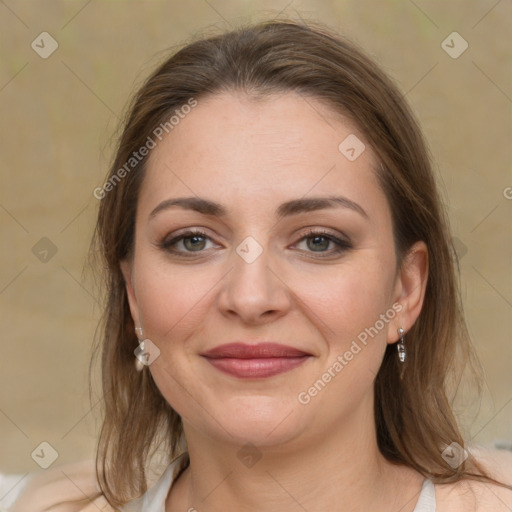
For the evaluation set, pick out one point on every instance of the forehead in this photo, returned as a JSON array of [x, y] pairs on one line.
[[233, 147]]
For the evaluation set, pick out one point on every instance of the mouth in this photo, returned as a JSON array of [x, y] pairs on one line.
[[255, 361]]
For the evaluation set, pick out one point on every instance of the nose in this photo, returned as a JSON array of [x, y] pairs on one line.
[[253, 290]]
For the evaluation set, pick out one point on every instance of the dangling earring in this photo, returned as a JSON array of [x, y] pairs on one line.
[[139, 365], [401, 347]]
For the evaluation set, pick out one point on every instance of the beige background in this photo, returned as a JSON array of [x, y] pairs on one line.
[[58, 115]]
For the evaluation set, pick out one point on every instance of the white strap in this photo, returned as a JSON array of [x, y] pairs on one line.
[[427, 499]]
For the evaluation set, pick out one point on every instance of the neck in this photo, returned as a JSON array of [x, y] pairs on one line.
[[316, 473]]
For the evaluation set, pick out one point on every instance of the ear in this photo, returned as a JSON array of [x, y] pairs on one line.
[[126, 269], [409, 291]]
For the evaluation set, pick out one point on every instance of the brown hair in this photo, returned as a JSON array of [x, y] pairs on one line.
[[413, 415]]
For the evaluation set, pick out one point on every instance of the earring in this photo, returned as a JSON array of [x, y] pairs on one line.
[[139, 365], [401, 347]]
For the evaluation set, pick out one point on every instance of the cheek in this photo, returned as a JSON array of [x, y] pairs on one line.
[[170, 302], [352, 312], [349, 298], [172, 305], [351, 309]]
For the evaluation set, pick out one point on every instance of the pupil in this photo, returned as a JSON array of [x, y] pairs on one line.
[[194, 240], [316, 238]]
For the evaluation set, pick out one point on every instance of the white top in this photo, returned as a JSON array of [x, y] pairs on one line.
[[154, 499], [10, 487], [427, 500]]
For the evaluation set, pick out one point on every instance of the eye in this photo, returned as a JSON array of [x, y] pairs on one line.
[[193, 241], [319, 241]]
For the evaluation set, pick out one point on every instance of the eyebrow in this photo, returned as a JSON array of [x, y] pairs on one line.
[[293, 207]]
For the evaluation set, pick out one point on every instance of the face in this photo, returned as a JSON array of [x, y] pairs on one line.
[[266, 264]]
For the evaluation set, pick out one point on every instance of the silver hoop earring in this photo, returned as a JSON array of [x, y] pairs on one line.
[[400, 346]]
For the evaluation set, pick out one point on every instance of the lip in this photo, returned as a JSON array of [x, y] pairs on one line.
[[255, 360]]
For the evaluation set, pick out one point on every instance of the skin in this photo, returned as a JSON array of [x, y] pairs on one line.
[[251, 156]]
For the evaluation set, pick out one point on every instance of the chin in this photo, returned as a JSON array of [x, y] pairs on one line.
[[262, 421]]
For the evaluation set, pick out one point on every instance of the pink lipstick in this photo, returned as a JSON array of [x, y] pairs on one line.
[[255, 361]]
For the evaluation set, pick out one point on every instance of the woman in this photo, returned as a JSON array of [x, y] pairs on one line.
[[283, 320]]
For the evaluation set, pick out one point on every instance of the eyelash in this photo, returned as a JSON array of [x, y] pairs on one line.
[[342, 245]]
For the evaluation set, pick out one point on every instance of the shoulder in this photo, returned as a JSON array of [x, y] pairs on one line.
[[497, 462], [471, 495], [64, 488]]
